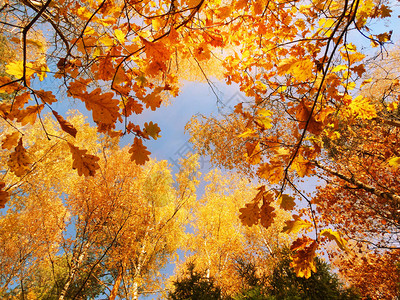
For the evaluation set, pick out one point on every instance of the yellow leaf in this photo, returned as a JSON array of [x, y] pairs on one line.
[[139, 152], [294, 226], [362, 108], [334, 236], [120, 35], [248, 133], [394, 162], [157, 23], [339, 68], [19, 161], [86, 164], [16, 69]]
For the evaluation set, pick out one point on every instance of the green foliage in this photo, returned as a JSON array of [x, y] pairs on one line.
[[49, 279], [195, 286], [284, 284]]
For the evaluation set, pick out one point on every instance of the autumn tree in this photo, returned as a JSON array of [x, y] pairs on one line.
[[217, 238], [116, 229], [304, 82], [294, 60]]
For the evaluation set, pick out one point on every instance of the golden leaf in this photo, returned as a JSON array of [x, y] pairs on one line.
[[66, 126], [86, 164], [120, 35], [294, 226], [334, 236], [10, 140], [394, 162], [152, 130], [104, 108], [303, 261], [19, 161], [139, 152], [16, 69], [152, 100]]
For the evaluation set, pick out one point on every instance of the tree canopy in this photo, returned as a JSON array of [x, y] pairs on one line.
[[321, 86]]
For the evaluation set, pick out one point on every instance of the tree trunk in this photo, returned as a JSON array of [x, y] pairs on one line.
[[75, 266]]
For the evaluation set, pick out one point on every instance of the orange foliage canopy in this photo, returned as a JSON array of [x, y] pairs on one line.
[[293, 59]]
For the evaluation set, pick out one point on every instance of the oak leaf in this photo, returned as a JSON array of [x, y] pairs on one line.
[[152, 129], [250, 214], [46, 96], [104, 108], [334, 236], [294, 226], [4, 195], [286, 202], [303, 261], [10, 140], [86, 164], [139, 152], [66, 126], [273, 171], [152, 100], [19, 161], [267, 215], [21, 100], [29, 115]]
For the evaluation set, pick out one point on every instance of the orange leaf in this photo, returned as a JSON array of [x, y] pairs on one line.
[[152, 100], [303, 261], [250, 214], [273, 171], [4, 195], [152, 130], [28, 115], [19, 161], [286, 202], [267, 215], [46, 96], [86, 164], [10, 140], [21, 100], [139, 152], [105, 109], [66, 126], [303, 114]]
